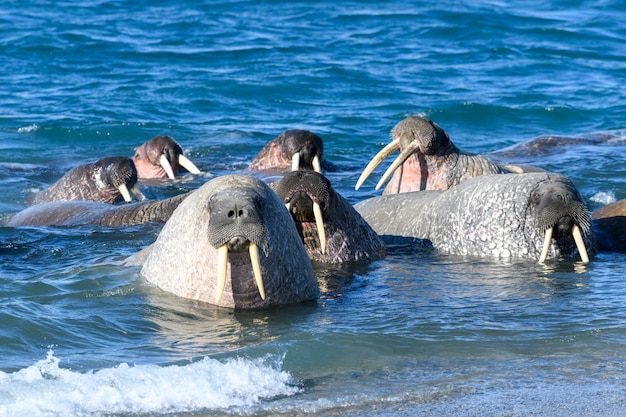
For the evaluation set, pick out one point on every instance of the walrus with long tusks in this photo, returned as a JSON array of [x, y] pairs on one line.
[[108, 180], [331, 229], [532, 215], [231, 243], [292, 150], [429, 160], [162, 157]]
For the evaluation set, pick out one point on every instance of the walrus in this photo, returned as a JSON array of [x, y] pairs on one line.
[[108, 180], [293, 149], [609, 224], [161, 157], [331, 229], [231, 243], [429, 160], [531, 215]]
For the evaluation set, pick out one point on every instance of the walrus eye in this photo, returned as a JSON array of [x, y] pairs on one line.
[[536, 197]]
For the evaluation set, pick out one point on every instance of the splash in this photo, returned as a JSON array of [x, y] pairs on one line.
[[45, 389]]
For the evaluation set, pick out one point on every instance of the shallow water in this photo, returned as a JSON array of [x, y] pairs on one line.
[[417, 333]]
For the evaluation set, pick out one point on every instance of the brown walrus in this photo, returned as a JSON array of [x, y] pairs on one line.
[[161, 157], [293, 149], [428, 160], [609, 223], [108, 180]]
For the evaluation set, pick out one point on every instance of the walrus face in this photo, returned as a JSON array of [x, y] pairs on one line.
[[412, 136], [561, 212], [306, 194], [161, 156], [304, 148], [115, 175], [236, 225]]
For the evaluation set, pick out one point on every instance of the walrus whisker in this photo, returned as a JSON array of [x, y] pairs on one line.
[[222, 260], [319, 221], [256, 268], [167, 167], [295, 161], [123, 189], [546, 245], [377, 160], [138, 193], [408, 151], [317, 167], [580, 244], [187, 164]]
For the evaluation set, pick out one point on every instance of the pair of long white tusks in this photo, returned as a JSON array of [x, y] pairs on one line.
[[384, 153], [578, 239], [396, 164], [319, 222], [167, 167], [187, 164], [295, 163], [222, 261]]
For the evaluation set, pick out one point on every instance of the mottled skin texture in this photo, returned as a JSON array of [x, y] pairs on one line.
[[234, 209], [278, 152], [348, 237], [497, 216], [147, 157], [609, 223], [437, 164], [75, 213], [98, 181]]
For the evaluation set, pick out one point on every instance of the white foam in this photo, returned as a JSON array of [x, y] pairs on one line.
[[603, 197], [45, 389], [28, 129]]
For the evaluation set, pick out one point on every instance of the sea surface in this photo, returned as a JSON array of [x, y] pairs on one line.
[[415, 334]]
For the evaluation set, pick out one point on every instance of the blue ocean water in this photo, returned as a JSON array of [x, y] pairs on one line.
[[417, 333]]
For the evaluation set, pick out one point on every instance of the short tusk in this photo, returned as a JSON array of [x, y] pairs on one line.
[[123, 189], [222, 261], [546, 245], [317, 166], [295, 161], [413, 146], [376, 160], [187, 164], [319, 221], [580, 244], [167, 167], [288, 205], [138, 193], [256, 268]]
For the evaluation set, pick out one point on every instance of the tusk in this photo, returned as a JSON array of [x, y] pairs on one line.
[[546, 245], [295, 161], [187, 164], [256, 268], [222, 260], [376, 160], [319, 221], [288, 205], [138, 193], [123, 189], [399, 161], [317, 167], [167, 167], [580, 244]]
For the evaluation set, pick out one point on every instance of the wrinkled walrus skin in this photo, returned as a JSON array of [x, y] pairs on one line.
[[235, 212], [609, 223], [498, 215]]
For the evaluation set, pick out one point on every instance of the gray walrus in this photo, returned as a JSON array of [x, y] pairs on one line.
[[331, 229], [161, 157], [533, 215], [107, 180], [231, 243], [429, 160], [293, 149], [609, 223]]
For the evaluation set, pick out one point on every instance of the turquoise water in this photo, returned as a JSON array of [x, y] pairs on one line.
[[414, 334]]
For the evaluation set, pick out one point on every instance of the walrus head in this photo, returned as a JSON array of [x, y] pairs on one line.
[[412, 135], [304, 148], [560, 213], [306, 195], [161, 156], [236, 225], [117, 174]]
